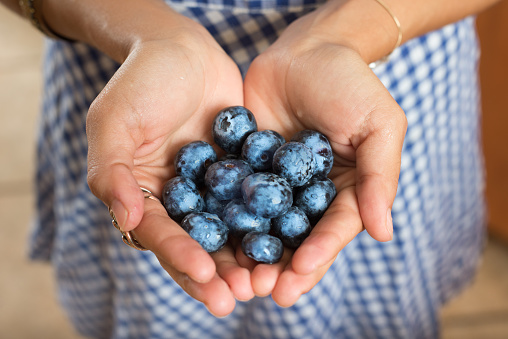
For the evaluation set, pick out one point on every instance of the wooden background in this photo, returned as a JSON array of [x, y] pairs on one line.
[[493, 33]]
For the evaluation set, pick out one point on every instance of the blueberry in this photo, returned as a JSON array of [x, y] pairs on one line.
[[321, 149], [277, 134], [213, 205], [231, 127], [224, 178], [259, 147], [230, 156], [240, 221], [292, 227], [294, 162], [266, 194], [193, 159], [207, 229], [180, 197], [262, 247], [315, 197]]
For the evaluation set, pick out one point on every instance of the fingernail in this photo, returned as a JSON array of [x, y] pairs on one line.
[[120, 212], [389, 223]]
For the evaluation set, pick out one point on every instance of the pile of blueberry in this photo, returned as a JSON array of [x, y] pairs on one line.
[[265, 192]]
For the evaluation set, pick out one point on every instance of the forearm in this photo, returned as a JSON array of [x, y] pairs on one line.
[[112, 26], [367, 27], [13, 5]]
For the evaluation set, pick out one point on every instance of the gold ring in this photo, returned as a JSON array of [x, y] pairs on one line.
[[127, 237]]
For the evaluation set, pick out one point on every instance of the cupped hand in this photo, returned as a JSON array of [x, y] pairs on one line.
[[165, 95], [305, 82]]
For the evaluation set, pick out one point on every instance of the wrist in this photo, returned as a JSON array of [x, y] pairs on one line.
[[370, 30], [365, 26]]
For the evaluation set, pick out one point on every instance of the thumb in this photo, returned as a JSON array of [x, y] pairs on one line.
[[378, 159], [115, 185], [110, 164]]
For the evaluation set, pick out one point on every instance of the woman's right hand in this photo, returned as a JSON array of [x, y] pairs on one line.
[[165, 95]]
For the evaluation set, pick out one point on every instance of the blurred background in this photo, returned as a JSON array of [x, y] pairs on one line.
[[28, 304]]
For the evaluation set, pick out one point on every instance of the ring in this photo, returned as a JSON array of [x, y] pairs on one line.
[[127, 237]]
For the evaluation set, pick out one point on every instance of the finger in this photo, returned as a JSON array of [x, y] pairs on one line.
[[237, 277], [338, 226], [214, 294], [265, 276], [172, 244], [291, 285], [118, 189], [378, 165], [184, 259]]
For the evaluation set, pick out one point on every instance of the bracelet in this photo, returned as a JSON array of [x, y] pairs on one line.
[[399, 37], [32, 10]]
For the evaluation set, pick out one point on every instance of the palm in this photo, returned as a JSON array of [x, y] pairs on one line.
[[331, 90], [175, 106]]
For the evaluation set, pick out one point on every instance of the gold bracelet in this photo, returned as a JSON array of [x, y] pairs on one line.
[[32, 10], [399, 37]]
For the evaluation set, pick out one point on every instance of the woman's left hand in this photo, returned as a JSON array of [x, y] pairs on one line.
[[305, 82]]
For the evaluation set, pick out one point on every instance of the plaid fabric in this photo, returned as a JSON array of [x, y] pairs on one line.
[[373, 290]]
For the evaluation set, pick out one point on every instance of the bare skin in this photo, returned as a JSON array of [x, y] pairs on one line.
[[174, 78]]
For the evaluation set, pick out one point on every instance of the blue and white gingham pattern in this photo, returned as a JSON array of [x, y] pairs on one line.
[[373, 290]]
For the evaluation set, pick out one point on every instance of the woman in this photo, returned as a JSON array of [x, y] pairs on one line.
[[147, 77]]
